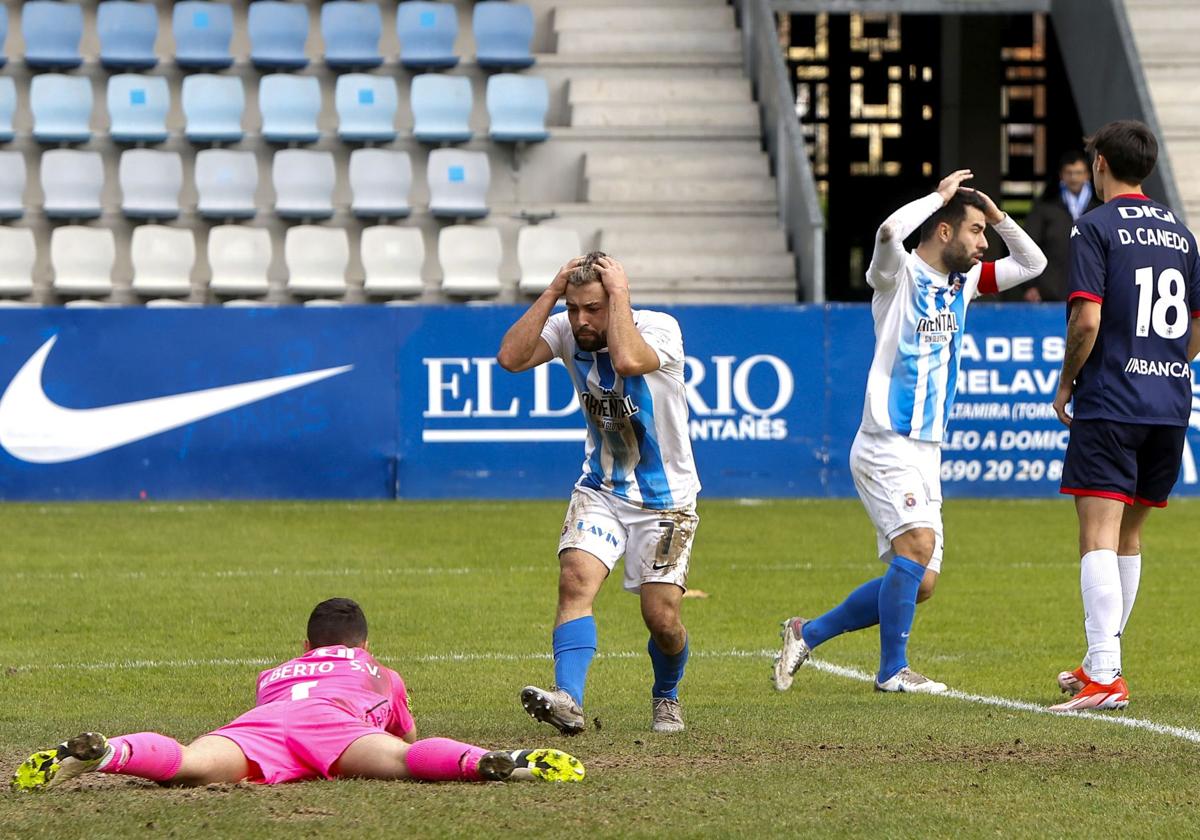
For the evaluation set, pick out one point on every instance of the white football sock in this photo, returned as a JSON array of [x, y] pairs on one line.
[[1130, 567], [1100, 582]]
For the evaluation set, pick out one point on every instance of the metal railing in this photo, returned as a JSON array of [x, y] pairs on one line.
[[799, 207]]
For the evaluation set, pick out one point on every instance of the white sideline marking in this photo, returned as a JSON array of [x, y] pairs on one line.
[[735, 653]]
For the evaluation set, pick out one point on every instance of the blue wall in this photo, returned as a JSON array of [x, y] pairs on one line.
[[409, 402]]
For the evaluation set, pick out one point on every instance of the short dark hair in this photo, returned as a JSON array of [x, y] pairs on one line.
[[1129, 147], [338, 621], [1071, 158], [953, 212], [586, 272]]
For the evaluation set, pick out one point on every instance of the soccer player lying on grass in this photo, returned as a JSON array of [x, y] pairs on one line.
[[332, 713], [920, 309]]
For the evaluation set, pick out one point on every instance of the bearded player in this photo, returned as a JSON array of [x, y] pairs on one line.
[[920, 307]]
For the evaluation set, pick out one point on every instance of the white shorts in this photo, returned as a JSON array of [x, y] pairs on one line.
[[657, 544], [900, 483]]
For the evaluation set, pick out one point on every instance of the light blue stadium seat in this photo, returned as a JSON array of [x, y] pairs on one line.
[[3, 33], [458, 183], [366, 107], [351, 30], [202, 34], [380, 180], [52, 31], [12, 185], [8, 107], [212, 107], [137, 106], [226, 182], [127, 32], [278, 32], [517, 107], [71, 183], [441, 107], [150, 183], [503, 34], [304, 182], [290, 106], [62, 108], [427, 32]]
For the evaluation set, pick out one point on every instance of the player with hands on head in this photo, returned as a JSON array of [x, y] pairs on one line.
[[636, 496], [919, 306]]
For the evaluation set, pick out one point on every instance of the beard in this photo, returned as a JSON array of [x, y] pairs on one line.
[[591, 342], [958, 258]]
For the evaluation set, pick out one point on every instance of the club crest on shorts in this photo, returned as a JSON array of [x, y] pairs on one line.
[[910, 501]]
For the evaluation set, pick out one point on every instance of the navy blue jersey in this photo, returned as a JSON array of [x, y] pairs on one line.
[[1135, 258]]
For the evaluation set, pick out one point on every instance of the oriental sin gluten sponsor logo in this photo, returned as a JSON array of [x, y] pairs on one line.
[[729, 398]]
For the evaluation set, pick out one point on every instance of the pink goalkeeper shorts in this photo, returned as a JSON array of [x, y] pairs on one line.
[[295, 740]]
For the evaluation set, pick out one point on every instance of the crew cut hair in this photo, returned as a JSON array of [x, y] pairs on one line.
[[1130, 148], [587, 272], [337, 621], [953, 212], [1070, 158]]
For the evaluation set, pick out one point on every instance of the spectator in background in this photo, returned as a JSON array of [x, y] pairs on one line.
[[1049, 224]]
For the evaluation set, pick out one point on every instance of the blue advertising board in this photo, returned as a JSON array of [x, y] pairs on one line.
[[381, 402]]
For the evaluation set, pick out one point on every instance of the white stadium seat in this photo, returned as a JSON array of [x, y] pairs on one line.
[[239, 258], [316, 258], [392, 258], [82, 258], [162, 260], [470, 258]]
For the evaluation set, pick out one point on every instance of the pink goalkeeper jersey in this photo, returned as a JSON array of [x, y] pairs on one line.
[[348, 677]]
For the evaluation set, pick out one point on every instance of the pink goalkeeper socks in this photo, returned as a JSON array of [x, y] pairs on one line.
[[145, 754], [444, 760]]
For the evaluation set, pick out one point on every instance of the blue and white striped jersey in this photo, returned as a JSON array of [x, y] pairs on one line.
[[920, 315], [638, 446]]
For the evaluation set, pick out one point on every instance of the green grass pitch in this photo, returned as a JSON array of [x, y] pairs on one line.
[[157, 616]]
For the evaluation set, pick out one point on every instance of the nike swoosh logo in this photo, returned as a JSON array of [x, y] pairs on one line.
[[35, 429]]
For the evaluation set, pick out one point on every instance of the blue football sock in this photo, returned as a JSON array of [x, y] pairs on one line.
[[668, 670], [859, 610], [897, 604], [574, 647]]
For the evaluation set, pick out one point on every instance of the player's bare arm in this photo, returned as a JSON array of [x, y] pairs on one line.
[[522, 347], [630, 354], [1082, 329]]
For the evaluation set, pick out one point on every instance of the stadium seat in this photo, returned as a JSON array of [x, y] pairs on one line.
[[150, 183], [366, 108], [290, 106], [304, 183], [12, 185], [239, 258], [278, 32], [470, 256], [541, 251], [503, 34], [517, 107], [162, 260], [82, 259], [18, 253], [52, 31], [458, 183], [62, 108], [351, 32], [3, 33], [212, 107], [316, 260], [441, 107], [226, 183], [71, 183], [380, 180], [202, 34], [8, 107], [427, 32], [392, 258], [127, 33], [138, 106]]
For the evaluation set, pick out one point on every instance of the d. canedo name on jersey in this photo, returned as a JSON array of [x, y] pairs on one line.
[[729, 397]]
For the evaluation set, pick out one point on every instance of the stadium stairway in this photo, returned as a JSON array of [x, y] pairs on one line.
[[655, 154], [1165, 31]]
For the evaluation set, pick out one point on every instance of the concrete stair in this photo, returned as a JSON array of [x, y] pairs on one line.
[[1165, 34]]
